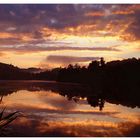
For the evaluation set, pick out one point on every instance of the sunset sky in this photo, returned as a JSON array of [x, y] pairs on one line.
[[52, 35]]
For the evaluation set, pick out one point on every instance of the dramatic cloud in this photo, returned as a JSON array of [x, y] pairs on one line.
[[133, 30], [61, 16], [87, 28]]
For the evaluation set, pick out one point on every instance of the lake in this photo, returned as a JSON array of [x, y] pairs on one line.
[[59, 109]]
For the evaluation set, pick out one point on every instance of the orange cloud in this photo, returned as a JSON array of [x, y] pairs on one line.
[[135, 7], [2, 54], [98, 14], [24, 37], [6, 35], [125, 12], [130, 10]]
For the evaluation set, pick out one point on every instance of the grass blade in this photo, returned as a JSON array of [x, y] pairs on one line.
[[1, 114], [8, 121], [10, 115]]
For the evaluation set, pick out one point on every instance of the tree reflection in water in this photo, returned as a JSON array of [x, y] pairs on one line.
[[73, 92], [48, 112]]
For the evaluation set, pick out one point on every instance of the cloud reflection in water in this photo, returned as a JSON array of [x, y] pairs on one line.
[[48, 113]]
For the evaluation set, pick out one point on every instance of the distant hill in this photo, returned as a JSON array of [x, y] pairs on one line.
[[10, 72], [33, 70], [98, 74]]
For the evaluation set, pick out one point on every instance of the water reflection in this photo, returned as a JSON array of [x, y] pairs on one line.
[[57, 109], [73, 92]]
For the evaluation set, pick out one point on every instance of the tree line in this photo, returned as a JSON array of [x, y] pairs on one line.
[[105, 78], [116, 81]]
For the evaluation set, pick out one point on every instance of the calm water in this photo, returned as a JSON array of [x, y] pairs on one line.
[[56, 109]]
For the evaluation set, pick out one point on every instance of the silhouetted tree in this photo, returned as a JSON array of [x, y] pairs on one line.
[[102, 62], [93, 66]]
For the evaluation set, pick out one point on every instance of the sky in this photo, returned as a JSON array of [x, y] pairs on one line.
[[53, 35]]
